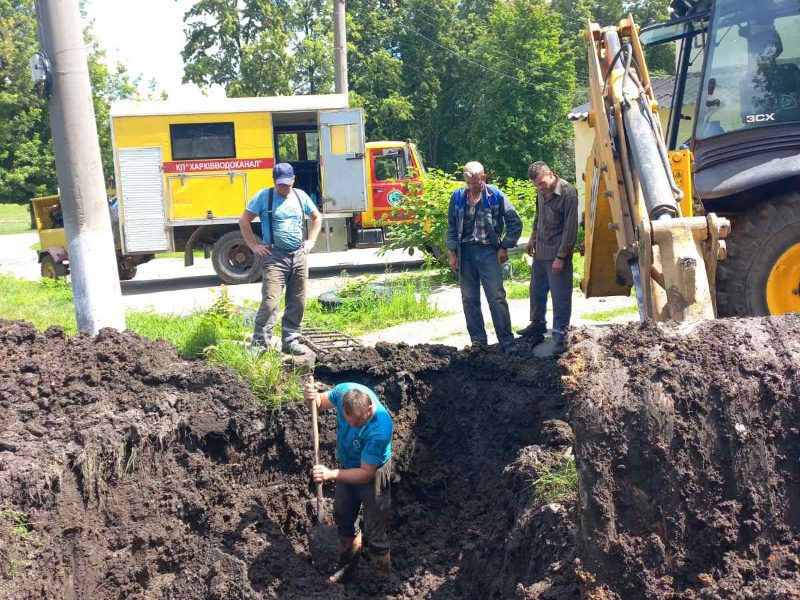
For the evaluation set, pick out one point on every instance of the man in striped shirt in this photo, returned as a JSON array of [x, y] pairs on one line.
[[552, 242]]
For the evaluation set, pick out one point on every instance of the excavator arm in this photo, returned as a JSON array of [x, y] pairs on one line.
[[639, 228]]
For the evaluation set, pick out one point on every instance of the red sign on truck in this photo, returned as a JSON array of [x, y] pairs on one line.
[[219, 164]]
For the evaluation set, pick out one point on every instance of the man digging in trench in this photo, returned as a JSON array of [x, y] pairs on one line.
[[364, 449]]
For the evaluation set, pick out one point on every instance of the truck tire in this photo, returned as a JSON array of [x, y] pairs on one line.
[[126, 274], [233, 260], [51, 269], [761, 275]]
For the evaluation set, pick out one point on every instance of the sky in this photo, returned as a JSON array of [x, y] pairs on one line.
[[147, 36]]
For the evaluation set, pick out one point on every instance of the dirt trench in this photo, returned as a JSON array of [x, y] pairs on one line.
[[140, 475], [144, 476]]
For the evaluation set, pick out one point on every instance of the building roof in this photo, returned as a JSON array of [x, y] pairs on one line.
[[662, 89], [138, 108]]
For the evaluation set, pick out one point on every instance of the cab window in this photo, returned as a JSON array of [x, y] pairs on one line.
[[388, 167]]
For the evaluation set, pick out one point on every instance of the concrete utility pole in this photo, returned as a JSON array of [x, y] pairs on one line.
[[93, 264], [339, 47]]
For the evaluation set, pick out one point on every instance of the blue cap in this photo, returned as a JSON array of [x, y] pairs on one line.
[[283, 173]]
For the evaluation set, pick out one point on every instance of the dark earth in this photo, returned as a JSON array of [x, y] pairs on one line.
[[145, 476], [126, 472]]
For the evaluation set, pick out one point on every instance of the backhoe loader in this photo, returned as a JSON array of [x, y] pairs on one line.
[[740, 168]]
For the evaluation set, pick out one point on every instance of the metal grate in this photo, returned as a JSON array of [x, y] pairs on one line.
[[327, 342]]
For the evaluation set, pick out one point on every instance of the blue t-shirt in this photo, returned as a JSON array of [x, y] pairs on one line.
[[288, 218], [371, 443]]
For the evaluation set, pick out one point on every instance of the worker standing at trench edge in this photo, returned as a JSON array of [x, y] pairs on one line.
[[364, 450], [477, 217], [552, 243], [284, 256]]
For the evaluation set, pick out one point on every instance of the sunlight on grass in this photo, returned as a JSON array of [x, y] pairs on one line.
[[607, 315], [557, 483], [408, 299], [14, 218]]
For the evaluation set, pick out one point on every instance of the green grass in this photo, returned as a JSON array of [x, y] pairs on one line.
[[607, 315], [264, 372], [197, 254], [558, 483], [408, 301], [517, 290], [14, 218], [43, 303]]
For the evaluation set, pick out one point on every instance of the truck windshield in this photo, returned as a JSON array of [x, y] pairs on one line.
[[752, 77]]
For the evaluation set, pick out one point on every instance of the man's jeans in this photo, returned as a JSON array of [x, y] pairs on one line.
[[560, 287], [479, 266], [282, 269]]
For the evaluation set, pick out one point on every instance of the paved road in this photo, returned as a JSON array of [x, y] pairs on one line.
[[168, 287]]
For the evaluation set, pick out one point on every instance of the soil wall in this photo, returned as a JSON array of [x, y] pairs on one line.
[[688, 451]]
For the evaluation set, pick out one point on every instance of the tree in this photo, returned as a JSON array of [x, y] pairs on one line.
[[27, 164], [240, 45], [520, 111], [312, 24], [27, 161]]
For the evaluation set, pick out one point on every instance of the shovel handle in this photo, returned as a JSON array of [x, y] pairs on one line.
[[315, 438]]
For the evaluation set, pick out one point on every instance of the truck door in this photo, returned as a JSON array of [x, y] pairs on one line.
[[390, 176], [142, 206], [342, 161]]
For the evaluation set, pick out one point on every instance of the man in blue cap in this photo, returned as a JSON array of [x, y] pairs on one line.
[[284, 255]]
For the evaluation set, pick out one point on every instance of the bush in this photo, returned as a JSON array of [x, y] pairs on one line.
[[424, 209], [428, 200]]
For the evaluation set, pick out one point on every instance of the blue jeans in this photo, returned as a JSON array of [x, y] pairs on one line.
[[479, 266], [560, 287]]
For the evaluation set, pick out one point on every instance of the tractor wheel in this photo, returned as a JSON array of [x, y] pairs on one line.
[[761, 275], [126, 274], [51, 269], [233, 260]]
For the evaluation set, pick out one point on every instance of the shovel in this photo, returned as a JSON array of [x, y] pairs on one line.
[[323, 540]]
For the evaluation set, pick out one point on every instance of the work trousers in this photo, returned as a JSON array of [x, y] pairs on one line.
[[375, 496], [560, 287], [479, 266], [282, 269]]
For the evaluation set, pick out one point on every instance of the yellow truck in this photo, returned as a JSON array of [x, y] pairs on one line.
[[185, 172]]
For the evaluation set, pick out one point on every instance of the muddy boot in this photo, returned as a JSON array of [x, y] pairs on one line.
[[382, 563], [349, 548], [349, 553]]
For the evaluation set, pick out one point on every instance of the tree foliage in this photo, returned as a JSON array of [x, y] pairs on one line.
[[27, 161]]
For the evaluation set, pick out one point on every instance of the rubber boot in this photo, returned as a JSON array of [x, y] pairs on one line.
[[382, 563], [348, 548]]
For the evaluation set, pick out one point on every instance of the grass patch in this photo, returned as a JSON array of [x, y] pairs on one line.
[[364, 310], [14, 218], [21, 536], [196, 253], [558, 483], [43, 303], [264, 372], [607, 315]]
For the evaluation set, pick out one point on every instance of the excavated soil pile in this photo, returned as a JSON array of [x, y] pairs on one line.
[[126, 472], [688, 450]]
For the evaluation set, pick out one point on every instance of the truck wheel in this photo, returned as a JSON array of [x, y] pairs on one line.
[[233, 260], [127, 274], [52, 269], [761, 275]]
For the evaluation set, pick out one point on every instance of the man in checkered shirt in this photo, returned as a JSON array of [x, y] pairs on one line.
[[477, 217]]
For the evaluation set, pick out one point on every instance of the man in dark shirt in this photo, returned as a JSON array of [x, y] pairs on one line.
[[552, 241]]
